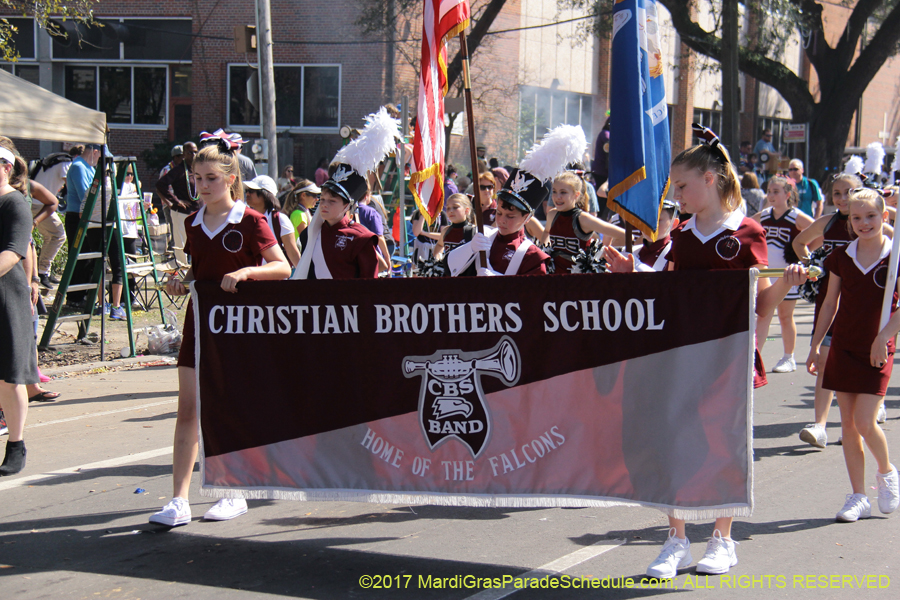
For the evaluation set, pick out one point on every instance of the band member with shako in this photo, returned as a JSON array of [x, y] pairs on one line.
[[508, 250], [717, 236], [569, 227], [783, 221], [334, 247], [460, 230], [829, 232], [227, 242], [862, 352], [656, 254]]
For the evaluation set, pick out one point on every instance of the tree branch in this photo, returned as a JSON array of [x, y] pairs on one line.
[[454, 69], [793, 89], [846, 47], [873, 56]]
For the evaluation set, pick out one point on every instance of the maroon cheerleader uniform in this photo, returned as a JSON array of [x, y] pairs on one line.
[[489, 215], [239, 242], [740, 243], [856, 323], [567, 238], [457, 235], [837, 235], [780, 234]]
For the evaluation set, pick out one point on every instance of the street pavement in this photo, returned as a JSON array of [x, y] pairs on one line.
[[74, 523]]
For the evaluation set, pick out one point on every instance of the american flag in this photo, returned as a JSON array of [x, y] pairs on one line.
[[443, 19]]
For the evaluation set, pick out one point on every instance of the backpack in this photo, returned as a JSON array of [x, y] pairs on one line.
[[48, 161]]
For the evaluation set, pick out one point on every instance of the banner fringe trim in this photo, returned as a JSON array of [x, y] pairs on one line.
[[471, 500]]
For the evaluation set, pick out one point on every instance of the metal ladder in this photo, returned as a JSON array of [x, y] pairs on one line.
[[113, 226]]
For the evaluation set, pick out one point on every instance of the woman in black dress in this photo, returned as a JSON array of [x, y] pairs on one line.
[[18, 362]]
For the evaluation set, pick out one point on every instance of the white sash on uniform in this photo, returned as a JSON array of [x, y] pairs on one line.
[[312, 241], [517, 258], [322, 271]]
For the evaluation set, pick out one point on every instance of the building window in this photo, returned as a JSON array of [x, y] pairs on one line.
[[132, 95], [27, 72], [131, 39], [23, 38], [708, 118], [542, 109], [309, 96]]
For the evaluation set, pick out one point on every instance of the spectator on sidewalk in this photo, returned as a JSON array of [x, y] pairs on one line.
[[176, 188]]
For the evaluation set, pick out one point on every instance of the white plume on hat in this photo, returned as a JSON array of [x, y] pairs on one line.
[[895, 166], [377, 140], [874, 158], [854, 166], [561, 146]]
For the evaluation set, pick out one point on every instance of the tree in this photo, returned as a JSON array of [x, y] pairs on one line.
[[42, 11], [401, 22], [844, 70]]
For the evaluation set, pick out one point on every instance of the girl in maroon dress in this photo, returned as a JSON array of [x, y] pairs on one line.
[[862, 352], [717, 236], [829, 232], [227, 242]]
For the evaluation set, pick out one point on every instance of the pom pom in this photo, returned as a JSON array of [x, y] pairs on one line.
[[377, 140], [874, 158], [561, 146], [854, 166]]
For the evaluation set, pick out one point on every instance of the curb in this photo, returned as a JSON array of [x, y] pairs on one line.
[[135, 360]]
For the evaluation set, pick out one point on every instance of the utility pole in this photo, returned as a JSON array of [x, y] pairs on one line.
[[267, 82], [731, 104]]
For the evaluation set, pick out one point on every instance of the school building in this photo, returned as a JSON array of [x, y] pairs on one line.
[[163, 71]]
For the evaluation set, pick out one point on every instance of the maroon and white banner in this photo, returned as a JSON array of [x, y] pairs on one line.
[[582, 390]]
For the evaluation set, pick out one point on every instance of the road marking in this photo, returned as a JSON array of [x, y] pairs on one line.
[[99, 414], [112, 462], [560, 565]]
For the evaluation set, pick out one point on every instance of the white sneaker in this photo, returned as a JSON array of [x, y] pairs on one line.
[[855, 508], [676, 554], [881, 417], [720, 555], [787, 364], [814, 435], [888, 491], [176, 512], [225, 509]]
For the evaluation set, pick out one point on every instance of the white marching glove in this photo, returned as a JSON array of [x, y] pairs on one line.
[[486, 272], [481, 243]]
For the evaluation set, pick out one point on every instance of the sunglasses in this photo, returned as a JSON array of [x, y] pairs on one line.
[[486, 188], [793, 169]]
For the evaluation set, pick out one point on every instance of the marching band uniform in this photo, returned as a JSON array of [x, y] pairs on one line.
[[655, 254]]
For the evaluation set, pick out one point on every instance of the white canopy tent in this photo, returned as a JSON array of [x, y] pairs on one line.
[[29, 111]]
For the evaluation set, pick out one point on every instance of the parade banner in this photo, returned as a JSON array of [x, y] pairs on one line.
[[442, 19], [583, 390], [639, 148]]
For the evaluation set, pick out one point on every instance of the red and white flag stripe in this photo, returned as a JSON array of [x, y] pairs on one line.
[[442, 19]]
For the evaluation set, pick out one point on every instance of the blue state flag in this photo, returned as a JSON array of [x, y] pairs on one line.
[[639, 147]]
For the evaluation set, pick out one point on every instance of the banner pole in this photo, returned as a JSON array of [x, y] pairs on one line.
[[470, 121]]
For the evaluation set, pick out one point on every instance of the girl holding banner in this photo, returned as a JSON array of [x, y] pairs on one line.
[[859, 364], [717, 236], [227, 242]]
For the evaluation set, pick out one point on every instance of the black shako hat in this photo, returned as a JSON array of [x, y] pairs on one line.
[[524, 188], [347, 183]]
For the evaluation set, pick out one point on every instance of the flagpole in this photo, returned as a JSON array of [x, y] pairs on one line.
[[470, 120]]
